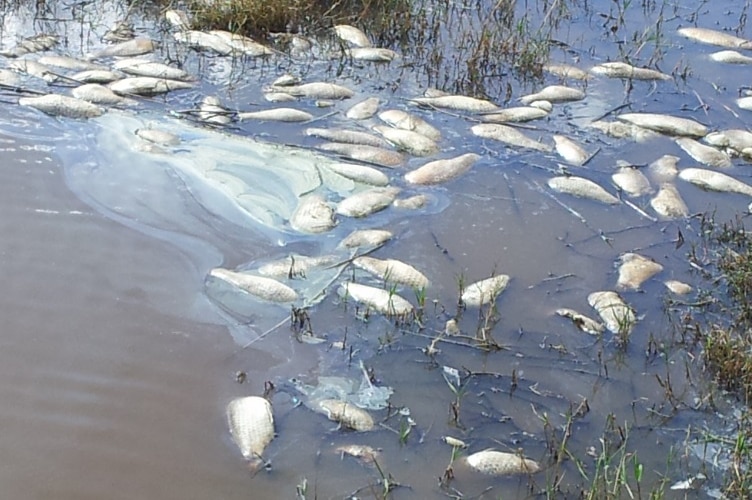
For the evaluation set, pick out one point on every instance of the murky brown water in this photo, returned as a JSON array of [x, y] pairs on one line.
[[116, 367]]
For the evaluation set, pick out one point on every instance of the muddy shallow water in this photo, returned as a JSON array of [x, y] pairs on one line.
[[118, 362]]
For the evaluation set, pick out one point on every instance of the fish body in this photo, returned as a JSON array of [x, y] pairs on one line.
[[96, 76], [367, 202], [212, 112], [407, 140], [632, 181], [623, 70], [407, 121], [457, 103], [360, 173], [515, 115], [242, 44], [411, 203], [677, 287], [360, 152], [316, 90], [714, 37], [582, 188], [373, 54], [69, 63], [277, 115], [484, 291], [364, 109], [730, 57], [736, 139], [393, 271], [36, 43], [141, 67], [665, 124], [635, 270], [715, 181], [159, 137], [347, 414], [566, 71], [258, 286], [508, 135], [145, 85], [668, 203], [251, 423], [499, 463], [129, 48], [366, 238], [438, 171], [347, 136], [664, 169], [60, 105], [707, 155], [378, 299], [295, 266], [204, 41], [34, 69], [352, 35], [313, 215], [9, 78], [618, 317], [97, 94], [584, 323], [554, 94], [622, 130], [570, 150]]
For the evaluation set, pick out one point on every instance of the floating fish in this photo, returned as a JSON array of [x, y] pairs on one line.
[[130, 48], [569, 150], [212, 112], [623, 70], [347, 414], [286, 80], [9, 78], [242, 44], [668, 203], [439, 171], [615, 313], [97, 94], [96, 76], [407, 140], [119, 32], [664, 169], [457, 103], [554, 94], [499, 463], [544, 105], [367, 202], [145, 85], [582, 188], [632, 181], [406, 121], [715, 181], [665, 124], [622, 130], [508, 135], [204, 41], [141, 67], [352, 35], [735, 139], [635, 270], [347, 136], [277, 115], [160, 137], [378, 299], [316, 90], [360, 173], [258, 286], [730, 57], [313, 215], [484, 291], [360, 152], [393, 271], [566, 71], [251, 423], [60, 105], [584, 323], [707, 155], [279, 97], [69, 63], [411, 203], [36, 43], [364, 109], [178, 19], [34, 69], [295, 266], [515, 115], [677, 287], [366, 238], [373, 54], [745, 103], [713, 37]]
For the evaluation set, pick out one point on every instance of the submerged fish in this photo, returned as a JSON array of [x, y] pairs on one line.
[[160, 137], [411, 203], [457, 103], [584, 323], [347, 136], [706, 155], [212, 112], [554, 94], [277, 115], [406, 121], [393, 271], [279, 97], [366, 454], [379, 156], [378, 299], [570, 150], [484, 291], [439, 171], [615, 313], [635, 270], [34, 69], [582, 188], [366, 238], [60, 105], [352, 35], [668, 203], [9, 78], [36, 43], [665, 124], [251, 423], [499, 463], [664, 168], [745, 103], [295, 266], [715, 181], [631, 181], [258, 286], [508, 135], [364, 109], [347, 414], [622, 130], [316, 90], [313, 215], [623, 70], [514, 115], [407, 140], [566, 71], [135, 47], [141, 67], [713, 37], [360, 173], [367, 202], [178, 19], [204, 41]]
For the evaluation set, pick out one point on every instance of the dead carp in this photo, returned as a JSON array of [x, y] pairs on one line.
[[499, 463], [145, 85], [360, 173], [406, 121], [35, 69], [715, 181], [554, 94], [622, 130], [204, 41], [484, 291], [745, 103], [100, 76], [570, 150], [457, 103], [736, 139], [707, 155], [212, 112], [364, 109], [615, 313], [295, 266], [9, 78], [372, 54], [581, 188], [665, 124], [635, 270], [730, 57], [347, 136], [277, 115], [438, 171], [360, 152], [36, 43], [566, 71], [242, 44], [130, 48], [668, 203], [584, 323], [313, 215], [411, 203], [664, 169], [393, 271], [367, 202], [60, 105], [378, 299], [346, 414], [515, 115], [713, 37], [409, 141], [97, 94], [352, 35], [618, 69], [69, 63], [631, 181], [279, 97], [508, 135], [366, 238], [263, 288], [251, 423], [315, 90], [141, 67], [677, 287]]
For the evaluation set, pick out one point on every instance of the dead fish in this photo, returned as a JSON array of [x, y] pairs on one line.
[[277, 115], [378, 299], [96, 76], [360, 152], [145, 85], [156, 136], [735, 139], [178, 19], [713, 37], [745, 103], [366, 238], [730, 57], [251, 423], [622, 130], [367, 202], [286, 80], [362, 452], [313, 215], [411, 203], [279, 97], [360, 173], [347, 136], [407, 121], [97, 94], [372, 54], [438, 171], [457, 103], [36, 43], [119, 32], [34, 69], [499, 463], [316, 90], [706, 155], [141, 67], [665, 124], [407, 140], [635, 270], [632, 181], [212, 112], [69, 63], [715, 181], [664, 169], [242, 44], [584, 323], [508, 135], [615, 313], [393, 271], [258, 286], [364, 109], [9, 78], [347, 414], [295, 266], [130, 48], [668, 203], [677, 287], [554, 94], [204, 41], [60, 105], [484, 291], [582, 188], [618, 69], [566, 71], [515, 115], [352, 35], [569, 150]]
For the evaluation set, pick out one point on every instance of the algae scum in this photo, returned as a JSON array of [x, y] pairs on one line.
[[453, 291]]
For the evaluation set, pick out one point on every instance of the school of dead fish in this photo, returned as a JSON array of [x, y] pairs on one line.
[[386, 145]]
